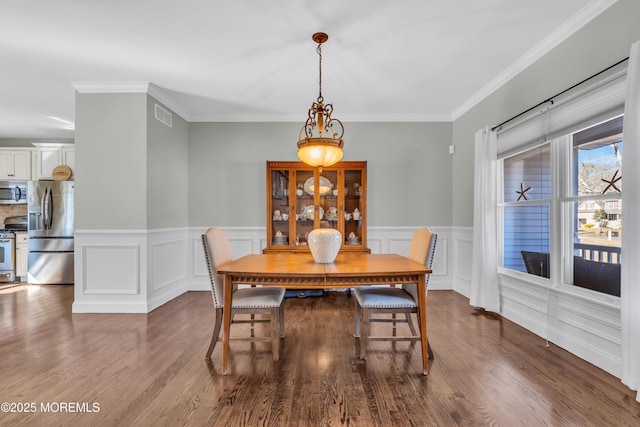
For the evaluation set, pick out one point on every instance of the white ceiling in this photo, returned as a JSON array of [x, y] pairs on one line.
[[254, 60]]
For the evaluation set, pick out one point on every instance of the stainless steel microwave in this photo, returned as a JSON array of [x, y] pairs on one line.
[[13, 192]]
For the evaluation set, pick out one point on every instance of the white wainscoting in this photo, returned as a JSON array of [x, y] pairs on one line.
[[462, 238], [249, 240], [582, 322], [137, 271], [129, 271], [243, 241]]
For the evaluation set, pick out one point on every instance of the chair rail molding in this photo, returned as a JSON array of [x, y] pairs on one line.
[[252, 240]]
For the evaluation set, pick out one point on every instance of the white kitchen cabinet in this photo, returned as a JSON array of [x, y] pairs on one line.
[[15, 164], [22, 255], [48, 156], [69, 157]]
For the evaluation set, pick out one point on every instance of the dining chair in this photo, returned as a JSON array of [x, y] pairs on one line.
[[394, 300], [251, 301]]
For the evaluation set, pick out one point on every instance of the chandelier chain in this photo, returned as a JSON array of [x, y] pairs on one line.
[[319, 50]]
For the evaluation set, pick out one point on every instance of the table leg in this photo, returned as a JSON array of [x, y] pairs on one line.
[[422, 319], [226, 321]]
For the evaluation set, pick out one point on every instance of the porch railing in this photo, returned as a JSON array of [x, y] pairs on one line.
[[599, 253]]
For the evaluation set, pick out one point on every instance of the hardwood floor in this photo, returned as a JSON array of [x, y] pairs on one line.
[[140, 370]]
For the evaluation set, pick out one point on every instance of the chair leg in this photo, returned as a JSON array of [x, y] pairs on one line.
[[429, 351], [281, 320], [216, 332], [364, 334], [410, 323], [275, 332], [252, 317], [358, 315]]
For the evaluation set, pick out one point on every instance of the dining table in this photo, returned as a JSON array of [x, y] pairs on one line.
[[293, 270]]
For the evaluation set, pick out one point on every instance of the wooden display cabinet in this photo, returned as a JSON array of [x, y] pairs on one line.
[[301, 198]]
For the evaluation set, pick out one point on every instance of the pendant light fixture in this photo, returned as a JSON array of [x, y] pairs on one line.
[[320, 140]]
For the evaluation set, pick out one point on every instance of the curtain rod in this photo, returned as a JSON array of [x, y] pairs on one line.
[[560, 93]]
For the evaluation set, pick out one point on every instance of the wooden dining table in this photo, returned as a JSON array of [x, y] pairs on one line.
[[299, 271]]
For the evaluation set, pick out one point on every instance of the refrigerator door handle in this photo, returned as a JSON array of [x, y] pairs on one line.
[[47, 208], [50, 209], [42, 201], [44, 210]]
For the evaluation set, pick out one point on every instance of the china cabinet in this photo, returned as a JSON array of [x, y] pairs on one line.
[[301, 198]]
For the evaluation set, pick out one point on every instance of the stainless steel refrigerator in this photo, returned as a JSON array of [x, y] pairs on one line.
[[50, 228]]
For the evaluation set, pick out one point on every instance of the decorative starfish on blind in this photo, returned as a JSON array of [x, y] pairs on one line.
[[612, 182], [522, 192]]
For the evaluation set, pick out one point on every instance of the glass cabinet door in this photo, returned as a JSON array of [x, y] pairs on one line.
[[316, 201], [305, 205], [328, 207], [301, 198], [354, 208], [280, 208]]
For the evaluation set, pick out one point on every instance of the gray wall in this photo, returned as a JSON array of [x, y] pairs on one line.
[[601, 43], [122, 155], [131, 170], [167, 170], [409, 170], [111, 161]]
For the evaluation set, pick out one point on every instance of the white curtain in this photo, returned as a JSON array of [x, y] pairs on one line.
[[630, 285], [484, 266]]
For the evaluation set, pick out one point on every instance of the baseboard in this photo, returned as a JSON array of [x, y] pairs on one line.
[[121, 307]]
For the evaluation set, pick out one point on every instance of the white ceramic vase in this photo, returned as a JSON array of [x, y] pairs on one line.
[[324, 244]]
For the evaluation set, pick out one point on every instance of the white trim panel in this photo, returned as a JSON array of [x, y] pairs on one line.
[[580, 324], [135, 271], [99, 275], [167, 266], [462, 238]]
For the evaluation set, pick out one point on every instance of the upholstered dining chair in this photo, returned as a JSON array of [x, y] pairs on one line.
[[254, 300], [394, 300]]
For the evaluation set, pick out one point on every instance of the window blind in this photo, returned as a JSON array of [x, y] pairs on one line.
[[595, 101]]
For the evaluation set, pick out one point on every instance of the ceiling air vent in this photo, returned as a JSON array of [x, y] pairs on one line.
[[163, 116]]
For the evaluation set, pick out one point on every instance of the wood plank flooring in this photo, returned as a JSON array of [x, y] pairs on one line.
[[143, 370]]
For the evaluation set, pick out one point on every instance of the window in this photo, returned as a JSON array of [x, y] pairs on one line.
[[596, 175], [526, 210], [585, 211]]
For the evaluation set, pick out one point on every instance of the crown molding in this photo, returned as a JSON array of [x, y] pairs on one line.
[[132, 87], [343, 118], [111, 87], [160, 95], [573, 24]]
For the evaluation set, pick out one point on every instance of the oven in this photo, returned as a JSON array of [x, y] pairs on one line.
[[7, 257], [12, 225]]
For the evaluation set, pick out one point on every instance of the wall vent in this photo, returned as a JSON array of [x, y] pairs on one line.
[[163, 116]]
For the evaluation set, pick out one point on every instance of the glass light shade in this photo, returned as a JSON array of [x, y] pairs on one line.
[[320, 151]]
